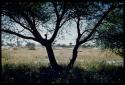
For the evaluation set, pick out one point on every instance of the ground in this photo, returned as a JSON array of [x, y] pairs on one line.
[[91, 62]]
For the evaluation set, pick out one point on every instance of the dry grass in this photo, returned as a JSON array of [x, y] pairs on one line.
[[86, 56], [31, 66]]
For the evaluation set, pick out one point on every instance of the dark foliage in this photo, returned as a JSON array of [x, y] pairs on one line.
[[111, 32], [23, 74]]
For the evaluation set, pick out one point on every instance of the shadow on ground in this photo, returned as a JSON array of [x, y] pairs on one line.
[[22, 74]]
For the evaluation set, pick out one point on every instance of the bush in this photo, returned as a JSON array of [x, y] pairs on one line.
[[30, 46]]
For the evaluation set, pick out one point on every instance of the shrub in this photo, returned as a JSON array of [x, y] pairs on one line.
[[30, 46]]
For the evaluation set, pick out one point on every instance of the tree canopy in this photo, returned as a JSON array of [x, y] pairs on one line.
[[110, 33], [42, 21]]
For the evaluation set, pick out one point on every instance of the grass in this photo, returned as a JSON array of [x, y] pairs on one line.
[[13, 74], [32, 66], [63, 56]]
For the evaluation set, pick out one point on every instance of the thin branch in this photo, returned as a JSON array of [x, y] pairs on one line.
[[78, 29], [63, 12], [33, 20], [32, 25], [99, 22], [21, 31], [67, 19], [21, 24], [87, 30], [17, 34], [58, 21], [26, 17], [55, 9]]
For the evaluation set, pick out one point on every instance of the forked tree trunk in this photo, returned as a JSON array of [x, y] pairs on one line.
[[52, 59]]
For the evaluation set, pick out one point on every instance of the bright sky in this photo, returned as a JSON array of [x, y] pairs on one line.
[[69, 34], [65, 37]]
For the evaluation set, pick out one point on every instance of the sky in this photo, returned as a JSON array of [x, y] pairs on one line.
[[69, 34]]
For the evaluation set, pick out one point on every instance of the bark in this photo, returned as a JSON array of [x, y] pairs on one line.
[[51, 57], [74, 56], [72, 61]]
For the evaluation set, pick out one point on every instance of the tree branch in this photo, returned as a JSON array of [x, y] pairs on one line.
[[55, 9], [78, 29], [87, 30], [99, 22], [32, 25], [63, 23], [21, 24], [59, 18], [63, 11], [19, 35]]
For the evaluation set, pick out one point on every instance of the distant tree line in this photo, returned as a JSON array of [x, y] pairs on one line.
[[30, 46]]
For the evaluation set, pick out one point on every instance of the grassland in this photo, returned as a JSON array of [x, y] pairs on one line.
[[63, 55], [91, 62]]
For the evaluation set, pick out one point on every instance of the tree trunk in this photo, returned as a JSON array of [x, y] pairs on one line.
[[72, 61], [52, 59], [74, 56]]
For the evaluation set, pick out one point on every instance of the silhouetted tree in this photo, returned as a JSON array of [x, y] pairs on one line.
[[30, 16], [94, 13]]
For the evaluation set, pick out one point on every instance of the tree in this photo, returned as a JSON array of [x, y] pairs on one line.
[[94, 13], [110, 33], [29, 16]]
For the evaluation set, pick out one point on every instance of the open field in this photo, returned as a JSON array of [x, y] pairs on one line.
[[21, 65], [63, 55]]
